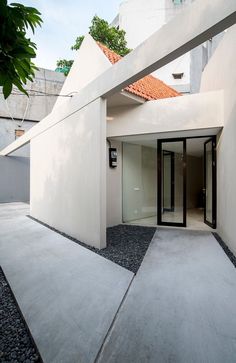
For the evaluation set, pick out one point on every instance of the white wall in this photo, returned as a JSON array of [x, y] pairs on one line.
[[195, 180], [14, 179], [200, 111], [35, 107], [89, 63], [68, 175], [139, 182], [140, 19], [220, 73], [114, 188], [7, 134]]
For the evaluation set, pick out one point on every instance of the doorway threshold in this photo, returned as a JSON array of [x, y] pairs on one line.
[[195, 222]]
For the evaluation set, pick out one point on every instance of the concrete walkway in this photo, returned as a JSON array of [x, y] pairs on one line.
[[181, 305], [81, 308], [67, 294]]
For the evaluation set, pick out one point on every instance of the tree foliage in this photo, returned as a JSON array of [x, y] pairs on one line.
[[101, 31], [110, 36], [64, 66], [16, 50]]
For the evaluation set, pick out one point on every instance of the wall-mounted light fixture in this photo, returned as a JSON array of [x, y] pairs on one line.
[[112, 155], [178, 75]]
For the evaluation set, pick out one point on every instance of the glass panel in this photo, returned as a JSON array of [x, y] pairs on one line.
[[209, 194], [172, 182], [140, 184]]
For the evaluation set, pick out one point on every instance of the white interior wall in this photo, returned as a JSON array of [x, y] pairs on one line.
[[195, 180], [220, 73], [139, 182], [68, 176]]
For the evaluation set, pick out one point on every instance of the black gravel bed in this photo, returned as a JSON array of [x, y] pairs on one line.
[[16, 343], [226, 249], [126, 244]]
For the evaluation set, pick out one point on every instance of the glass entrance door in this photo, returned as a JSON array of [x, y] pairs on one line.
[[210, 182], [172, 182]]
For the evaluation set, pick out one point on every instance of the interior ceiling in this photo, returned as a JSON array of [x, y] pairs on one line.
[[195, 147]]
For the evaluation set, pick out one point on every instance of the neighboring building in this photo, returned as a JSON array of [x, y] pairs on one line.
[[141, 18], [19, 113], [111, 155]]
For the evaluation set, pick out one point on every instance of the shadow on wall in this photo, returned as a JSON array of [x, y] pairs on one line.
[[14, 179], [66, 163]]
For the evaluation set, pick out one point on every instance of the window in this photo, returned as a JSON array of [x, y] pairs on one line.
[[19, 133], [177, 2]]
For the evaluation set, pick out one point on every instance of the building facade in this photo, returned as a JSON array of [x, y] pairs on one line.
[[159, 144], [19, 113], [140, 19]]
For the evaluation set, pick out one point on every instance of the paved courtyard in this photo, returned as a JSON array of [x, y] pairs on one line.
[[80, 307]]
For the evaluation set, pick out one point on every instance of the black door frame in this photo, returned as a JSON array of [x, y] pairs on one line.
[[214, 178], [214, 181], [159, 184], [172, 181]]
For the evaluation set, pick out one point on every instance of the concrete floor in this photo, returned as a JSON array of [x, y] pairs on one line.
[[68, 294], [81, 308], [195, 220], [181, 305]]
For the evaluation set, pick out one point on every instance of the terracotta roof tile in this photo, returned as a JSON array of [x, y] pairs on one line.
[[149, 87]]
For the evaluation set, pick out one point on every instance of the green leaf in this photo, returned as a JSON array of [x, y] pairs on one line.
[[17, 83], [7, 88]]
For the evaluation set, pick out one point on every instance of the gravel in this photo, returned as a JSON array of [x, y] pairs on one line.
[[226, 249], [16, 343], [126, 244]]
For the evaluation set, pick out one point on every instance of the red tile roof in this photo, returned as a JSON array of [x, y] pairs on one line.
[[149, 87]]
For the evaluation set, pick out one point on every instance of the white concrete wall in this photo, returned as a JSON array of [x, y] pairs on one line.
[[220, 73], [114, 188], [7, 134], [89, 63], [68, 175], [14, 179], [37, 106], [140, 19], [200, 111]]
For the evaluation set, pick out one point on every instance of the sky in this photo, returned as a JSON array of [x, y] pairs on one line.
[[63, 21]]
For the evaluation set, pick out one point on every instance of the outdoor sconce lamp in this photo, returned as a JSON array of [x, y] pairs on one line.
[[178, 75], [112, 157]]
